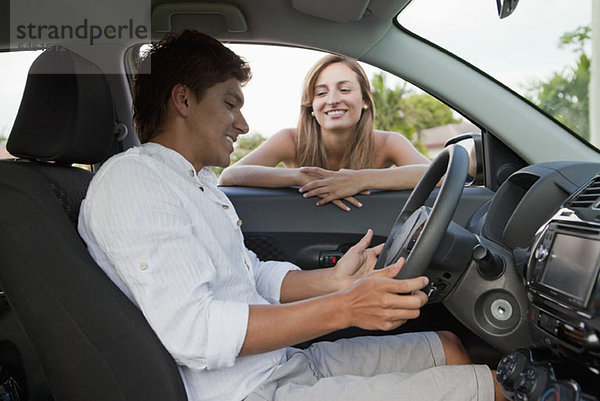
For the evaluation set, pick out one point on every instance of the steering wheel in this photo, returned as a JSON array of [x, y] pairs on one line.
[[419, 229]]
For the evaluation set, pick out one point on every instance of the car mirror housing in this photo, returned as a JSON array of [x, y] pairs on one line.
[[472, 143], [506, 7]]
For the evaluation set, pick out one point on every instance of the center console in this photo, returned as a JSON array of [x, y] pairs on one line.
[[563, 285]]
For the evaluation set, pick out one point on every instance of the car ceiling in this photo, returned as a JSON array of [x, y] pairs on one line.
[[348, 26], [326, 25]]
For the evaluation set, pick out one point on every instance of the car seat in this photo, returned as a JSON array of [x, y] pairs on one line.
[[92, 342]]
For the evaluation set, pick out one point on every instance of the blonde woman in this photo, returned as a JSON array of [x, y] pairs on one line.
[[334, 153]]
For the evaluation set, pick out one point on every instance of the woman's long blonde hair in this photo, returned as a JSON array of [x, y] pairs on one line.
[[310, 150]]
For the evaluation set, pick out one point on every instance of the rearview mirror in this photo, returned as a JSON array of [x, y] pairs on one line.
[[506, 7]]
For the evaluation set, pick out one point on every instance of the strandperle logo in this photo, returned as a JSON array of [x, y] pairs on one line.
[[84, 31]]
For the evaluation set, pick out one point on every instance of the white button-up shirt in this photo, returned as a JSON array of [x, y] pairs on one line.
[[171, 241]]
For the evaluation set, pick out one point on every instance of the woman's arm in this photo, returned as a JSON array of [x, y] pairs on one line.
[[345, 183], [262, 176], [257, 169], [392, 149]]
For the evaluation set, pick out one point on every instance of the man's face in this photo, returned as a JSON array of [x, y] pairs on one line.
[[215, 123]]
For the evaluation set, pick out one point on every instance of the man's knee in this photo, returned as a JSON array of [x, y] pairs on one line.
[[453, 348]]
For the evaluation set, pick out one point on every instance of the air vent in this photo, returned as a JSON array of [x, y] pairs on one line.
[[589, 196]]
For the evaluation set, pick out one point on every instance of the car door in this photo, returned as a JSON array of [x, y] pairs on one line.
[[279, 224]]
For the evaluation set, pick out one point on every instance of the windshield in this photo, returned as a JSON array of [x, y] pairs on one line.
[[542, 51]]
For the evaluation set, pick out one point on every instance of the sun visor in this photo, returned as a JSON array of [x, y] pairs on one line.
[[207, 17], [333, 10]]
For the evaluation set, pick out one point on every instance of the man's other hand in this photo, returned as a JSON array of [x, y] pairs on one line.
[[380, 302], [357, 262]]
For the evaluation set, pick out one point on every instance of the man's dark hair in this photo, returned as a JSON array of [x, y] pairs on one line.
[[190, 58]]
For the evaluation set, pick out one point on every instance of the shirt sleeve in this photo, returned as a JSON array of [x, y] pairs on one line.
[[145, 233], [269, 276]]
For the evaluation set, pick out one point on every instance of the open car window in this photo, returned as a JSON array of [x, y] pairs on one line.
[[272, 100]]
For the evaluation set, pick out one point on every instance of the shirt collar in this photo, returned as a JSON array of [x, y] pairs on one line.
[[176, 161]]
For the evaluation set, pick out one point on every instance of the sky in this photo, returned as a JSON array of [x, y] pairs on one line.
[[525, 44], [514, 50]]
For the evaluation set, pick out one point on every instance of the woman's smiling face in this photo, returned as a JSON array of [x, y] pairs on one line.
[[337, 99]]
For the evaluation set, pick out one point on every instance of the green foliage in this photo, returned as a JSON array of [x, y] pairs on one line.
[[4, 132], [390, 106], [216, 170], [400, 110], [576, 38], [565, 95], [249, 142], [428, 112], [244, 145]]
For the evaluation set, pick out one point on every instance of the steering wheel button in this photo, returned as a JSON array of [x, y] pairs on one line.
[[430, 290]]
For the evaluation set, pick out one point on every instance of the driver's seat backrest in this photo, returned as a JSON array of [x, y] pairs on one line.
[[92, 342]]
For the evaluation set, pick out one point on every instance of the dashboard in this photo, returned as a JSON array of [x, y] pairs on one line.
[[559, 259]]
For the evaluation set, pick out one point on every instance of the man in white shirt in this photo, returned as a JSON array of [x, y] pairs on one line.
[[157, 224]]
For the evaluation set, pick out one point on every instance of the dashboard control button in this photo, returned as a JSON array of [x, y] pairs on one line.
[[541, 253], [329, 258], [548, 323], [509, 369], [526, 381]]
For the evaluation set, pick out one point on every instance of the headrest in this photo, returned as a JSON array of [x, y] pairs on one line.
[[66, 114]]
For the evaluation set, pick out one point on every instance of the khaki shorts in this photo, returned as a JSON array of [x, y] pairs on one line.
[[409, 367]]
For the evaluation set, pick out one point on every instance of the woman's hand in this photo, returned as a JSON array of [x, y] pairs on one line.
[[304, 177], [334, 186], [357, 262]]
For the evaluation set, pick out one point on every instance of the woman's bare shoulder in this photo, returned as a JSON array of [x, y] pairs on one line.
[[388, 143], [395, 148], [283, 144], [285, 137], [384, 136]]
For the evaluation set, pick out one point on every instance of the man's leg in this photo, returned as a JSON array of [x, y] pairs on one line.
[[373, 355], [456, 354], [441, 383], [411, 367]]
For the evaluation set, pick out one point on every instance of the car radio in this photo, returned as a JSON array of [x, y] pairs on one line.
[[564, 264], [562, 279]]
